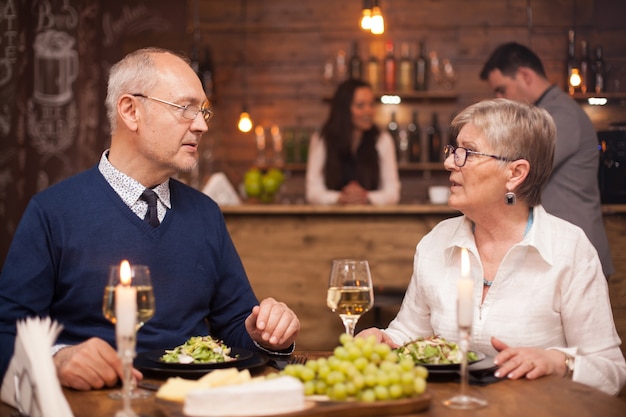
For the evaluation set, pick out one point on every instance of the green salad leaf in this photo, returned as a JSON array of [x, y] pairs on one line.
[[199, 349], [433, 350]]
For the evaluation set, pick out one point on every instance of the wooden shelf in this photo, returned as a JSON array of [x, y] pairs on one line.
[[413, 96], [413, 166], [613, 96]]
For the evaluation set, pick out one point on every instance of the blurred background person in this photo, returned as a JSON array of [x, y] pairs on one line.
[[572, 192], [351, 161], [541, 302]]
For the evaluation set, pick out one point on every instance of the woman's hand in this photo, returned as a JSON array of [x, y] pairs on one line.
[[353, 193], [532, 363], [381, 336]]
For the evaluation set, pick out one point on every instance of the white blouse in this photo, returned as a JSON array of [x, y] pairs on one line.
[[549, 292], [389, 187]]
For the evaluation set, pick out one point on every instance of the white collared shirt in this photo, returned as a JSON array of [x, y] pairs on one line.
[[130, 190]]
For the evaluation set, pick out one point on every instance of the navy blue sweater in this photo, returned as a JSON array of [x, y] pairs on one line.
[[72, 232]]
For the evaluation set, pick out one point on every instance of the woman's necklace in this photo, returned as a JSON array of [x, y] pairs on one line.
[[529, 223]]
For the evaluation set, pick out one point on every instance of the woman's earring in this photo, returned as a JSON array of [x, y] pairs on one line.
[[510, 198]]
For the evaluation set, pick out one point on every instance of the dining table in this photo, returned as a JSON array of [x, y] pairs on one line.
[[549, 396]]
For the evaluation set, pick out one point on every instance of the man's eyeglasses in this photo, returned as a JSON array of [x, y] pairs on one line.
[[189, 111], [461, 154]]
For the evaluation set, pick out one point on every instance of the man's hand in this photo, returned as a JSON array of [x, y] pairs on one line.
[[273, 325], [91, 364]]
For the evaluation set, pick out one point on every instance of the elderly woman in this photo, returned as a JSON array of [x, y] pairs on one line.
[[541, 300]]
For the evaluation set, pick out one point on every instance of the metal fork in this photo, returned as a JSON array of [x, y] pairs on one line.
[[298, 359]]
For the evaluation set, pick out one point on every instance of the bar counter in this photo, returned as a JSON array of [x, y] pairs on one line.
[[287, 252]]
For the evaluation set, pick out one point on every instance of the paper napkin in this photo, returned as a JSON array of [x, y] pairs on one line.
[[31, 384], [221, 190]]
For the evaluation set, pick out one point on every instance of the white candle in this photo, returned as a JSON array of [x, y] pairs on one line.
[[125, 303], [277, 139], [260, 138], [465, 293]]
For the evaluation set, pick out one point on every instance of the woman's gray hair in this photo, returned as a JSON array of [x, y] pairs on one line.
[[136, 73], [515, 131]]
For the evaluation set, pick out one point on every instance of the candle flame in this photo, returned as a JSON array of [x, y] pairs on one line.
[[125, 275], [465, 263]]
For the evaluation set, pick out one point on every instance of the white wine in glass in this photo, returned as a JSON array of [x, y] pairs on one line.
[[350, 292], [140, 279]]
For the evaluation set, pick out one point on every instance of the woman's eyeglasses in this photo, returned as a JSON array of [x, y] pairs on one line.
[[461, 154]]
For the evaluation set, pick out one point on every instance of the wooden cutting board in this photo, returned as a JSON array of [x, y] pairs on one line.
[[335, 408]]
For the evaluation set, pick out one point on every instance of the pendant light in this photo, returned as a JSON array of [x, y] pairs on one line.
[[366, 15], [378, 23], [372, 18], [245, 123]]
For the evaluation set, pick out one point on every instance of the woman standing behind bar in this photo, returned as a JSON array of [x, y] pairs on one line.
[[541, 301], [351, 161]]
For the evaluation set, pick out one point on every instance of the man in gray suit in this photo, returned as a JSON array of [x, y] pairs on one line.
[[513, 71]]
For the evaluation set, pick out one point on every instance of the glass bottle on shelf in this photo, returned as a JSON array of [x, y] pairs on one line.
[[394, 131], [420, 69], [572, 64], [389, 83], [207, 74], [415, 139], [373, 70], [585, 68], [599, 71], [433, 134], [355, 64], [341, 67], [405, 68]]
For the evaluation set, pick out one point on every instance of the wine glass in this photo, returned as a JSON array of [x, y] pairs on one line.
[[350, 291], [140, 280]]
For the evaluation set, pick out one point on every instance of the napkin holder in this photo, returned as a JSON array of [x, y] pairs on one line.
[[30, 383], [221, 190]]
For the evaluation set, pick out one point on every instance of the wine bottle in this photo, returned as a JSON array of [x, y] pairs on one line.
[[207, 74], [572, 64], [585, 68], [415, 139], [389, 83], [355, 64], [420, 69], [394, 131], [405, 69], [341, 66], [599, 71], [373, 70], [434, 139]]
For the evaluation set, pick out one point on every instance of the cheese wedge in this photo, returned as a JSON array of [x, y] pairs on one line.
[[175, 389]]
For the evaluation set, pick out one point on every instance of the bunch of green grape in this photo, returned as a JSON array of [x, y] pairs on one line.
[[361, 369]]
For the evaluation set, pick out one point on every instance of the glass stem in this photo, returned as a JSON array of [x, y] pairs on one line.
[[464, 336], [349, 323], [126, 352]]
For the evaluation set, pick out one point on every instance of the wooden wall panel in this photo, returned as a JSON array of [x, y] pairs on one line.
[[287, 43]]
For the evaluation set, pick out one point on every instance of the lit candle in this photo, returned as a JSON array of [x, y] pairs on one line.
[[260, 138], [277, 139], [465, 293], [125, 303]]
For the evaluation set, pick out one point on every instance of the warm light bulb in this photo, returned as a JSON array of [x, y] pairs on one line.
[[366, 19], [574, 79], [245, 124], [378, 23]]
